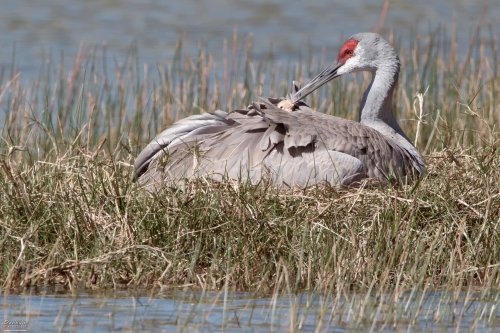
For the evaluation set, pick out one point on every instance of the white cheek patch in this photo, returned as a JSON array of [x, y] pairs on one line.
[[350, 66]]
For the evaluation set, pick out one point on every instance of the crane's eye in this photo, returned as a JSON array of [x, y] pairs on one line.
[[349, 52]]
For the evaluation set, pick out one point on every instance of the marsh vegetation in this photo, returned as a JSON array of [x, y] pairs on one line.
[[70, 213]]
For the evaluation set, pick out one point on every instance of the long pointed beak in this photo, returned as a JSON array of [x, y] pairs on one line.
[[326, 75]]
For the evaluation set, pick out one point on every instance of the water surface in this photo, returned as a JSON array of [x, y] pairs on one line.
[[288, 27], [242, 312]]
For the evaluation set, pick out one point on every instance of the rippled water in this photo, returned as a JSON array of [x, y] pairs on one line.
[[38, 27], [178, 311]]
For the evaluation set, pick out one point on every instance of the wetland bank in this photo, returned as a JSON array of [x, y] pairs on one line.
[[421, 256]]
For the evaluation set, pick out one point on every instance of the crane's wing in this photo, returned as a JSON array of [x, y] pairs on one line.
[[189, 129], [381, 156], [295, 148]]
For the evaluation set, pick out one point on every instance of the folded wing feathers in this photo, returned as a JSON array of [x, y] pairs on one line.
[[190, 128], [285, 142]]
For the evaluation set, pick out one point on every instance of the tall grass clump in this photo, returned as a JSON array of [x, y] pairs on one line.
[[70, 213]]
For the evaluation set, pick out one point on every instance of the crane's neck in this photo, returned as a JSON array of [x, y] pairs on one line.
[[376, 105]]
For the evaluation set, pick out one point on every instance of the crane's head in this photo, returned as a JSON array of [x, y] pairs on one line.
[[362, 52]]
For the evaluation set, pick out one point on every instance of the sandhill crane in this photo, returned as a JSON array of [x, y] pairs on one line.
[[296, 146]]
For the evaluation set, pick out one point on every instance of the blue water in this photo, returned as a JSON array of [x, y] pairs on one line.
[[288, 27], [240, 312]]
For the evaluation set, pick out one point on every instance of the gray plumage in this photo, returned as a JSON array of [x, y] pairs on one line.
[[296, 147]]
